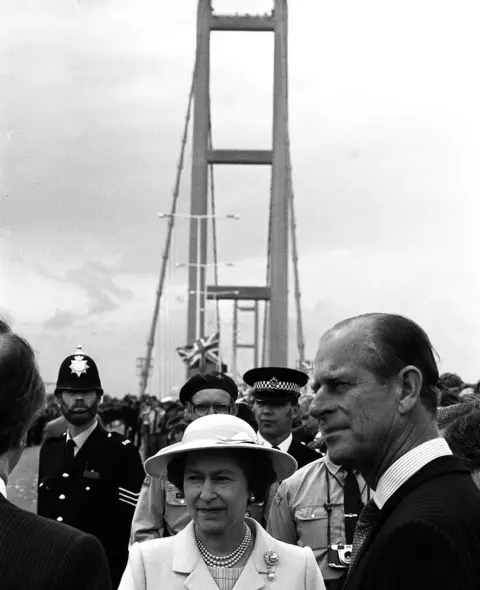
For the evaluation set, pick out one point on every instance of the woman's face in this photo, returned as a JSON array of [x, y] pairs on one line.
[[216, 490]]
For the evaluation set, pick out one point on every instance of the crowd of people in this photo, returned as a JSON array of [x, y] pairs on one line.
[[364, 475]]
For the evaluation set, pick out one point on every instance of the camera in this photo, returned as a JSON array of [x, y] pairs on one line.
[[339, 556]]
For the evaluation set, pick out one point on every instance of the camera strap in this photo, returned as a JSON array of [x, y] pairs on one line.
[[350, 515]]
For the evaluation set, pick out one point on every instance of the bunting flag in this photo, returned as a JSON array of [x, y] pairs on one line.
[[202, 350]]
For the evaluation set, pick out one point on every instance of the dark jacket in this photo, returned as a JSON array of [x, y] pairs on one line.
[[427, 536], [301, 453], [97, 494], [38, 554]]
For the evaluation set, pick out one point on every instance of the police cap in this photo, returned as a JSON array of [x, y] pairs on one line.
[[276, 384], [209, 380], [78, 372]]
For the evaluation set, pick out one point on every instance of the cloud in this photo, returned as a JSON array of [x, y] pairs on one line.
[[59, 321], [103, 293]]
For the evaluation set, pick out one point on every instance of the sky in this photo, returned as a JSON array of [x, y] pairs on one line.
[[384, 132]]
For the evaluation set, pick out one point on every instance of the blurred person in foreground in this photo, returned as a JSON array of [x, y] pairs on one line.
[[375, 377], [161, 510], [89, 478], [219, 465], [35, 553]]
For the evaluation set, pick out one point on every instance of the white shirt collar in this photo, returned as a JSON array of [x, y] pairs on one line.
[[3, 488], [283, 446], [403, 469], [81, 438]]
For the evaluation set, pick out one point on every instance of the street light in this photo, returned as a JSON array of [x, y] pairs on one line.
[[200, 267], [187, 216], [187, 264]]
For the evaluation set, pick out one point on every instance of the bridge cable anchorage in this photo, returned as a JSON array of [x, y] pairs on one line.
[[161, 281]]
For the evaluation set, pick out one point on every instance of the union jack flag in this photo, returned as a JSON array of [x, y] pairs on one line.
[[306, 366], [202, 350]]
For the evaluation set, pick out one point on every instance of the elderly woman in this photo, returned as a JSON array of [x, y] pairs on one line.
[[220, 466]]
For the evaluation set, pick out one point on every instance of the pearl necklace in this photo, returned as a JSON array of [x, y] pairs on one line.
[[225, 560]]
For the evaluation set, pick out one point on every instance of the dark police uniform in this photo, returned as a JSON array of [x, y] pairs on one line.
[[97, 493], [95, 490]]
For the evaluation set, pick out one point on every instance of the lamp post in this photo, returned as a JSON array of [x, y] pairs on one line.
[[198, 266]]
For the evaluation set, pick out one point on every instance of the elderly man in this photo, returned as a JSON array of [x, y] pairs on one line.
[[375, 376], [35, 552], [161, 510]]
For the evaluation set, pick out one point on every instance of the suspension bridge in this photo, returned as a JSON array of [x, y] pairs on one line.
[[264, 308]]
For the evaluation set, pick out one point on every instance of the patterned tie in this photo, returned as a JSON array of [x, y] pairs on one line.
[[365, 524], [352, 504]]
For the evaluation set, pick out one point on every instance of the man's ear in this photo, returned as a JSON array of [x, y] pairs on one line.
[[188, 411], [408, 388], [294, 411]]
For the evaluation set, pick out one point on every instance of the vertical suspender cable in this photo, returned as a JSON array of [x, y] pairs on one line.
[[266, 308], [300, 332], [214, 224], [166, 252]]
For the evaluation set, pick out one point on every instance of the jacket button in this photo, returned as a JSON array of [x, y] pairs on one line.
[[60, 519], [61, 497], [87, 488], [65, 474]]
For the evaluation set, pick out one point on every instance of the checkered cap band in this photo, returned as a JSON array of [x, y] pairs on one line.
[[277, 385]]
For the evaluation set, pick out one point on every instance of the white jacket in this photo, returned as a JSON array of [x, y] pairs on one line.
[[175, 563]]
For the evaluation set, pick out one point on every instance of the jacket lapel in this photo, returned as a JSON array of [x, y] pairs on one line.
[[254, 574], [187, 560]]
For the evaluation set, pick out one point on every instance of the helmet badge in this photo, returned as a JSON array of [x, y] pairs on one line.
[[79, 364]]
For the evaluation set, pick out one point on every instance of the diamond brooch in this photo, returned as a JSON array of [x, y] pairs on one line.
[[271, 559]]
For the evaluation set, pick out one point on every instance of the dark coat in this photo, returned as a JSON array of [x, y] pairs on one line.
[[38, 554], [98, 494], [427, 536], [301, 453]]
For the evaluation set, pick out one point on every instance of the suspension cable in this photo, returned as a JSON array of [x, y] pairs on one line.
[[267, 279], [214, 223], [293, 227], [176, 191]]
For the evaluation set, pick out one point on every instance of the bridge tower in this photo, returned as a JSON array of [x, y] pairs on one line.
[[276, 156]]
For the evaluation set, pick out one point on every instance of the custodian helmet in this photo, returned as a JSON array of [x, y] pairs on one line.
[[78, 372]]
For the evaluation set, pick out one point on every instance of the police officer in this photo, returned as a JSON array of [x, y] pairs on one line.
[[161, 510], [276, 391], [89, 478]]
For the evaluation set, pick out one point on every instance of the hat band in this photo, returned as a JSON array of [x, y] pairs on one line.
[[277, 385], [237, 439]]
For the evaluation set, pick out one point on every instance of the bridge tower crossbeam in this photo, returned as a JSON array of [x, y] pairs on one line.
[[277, 157]]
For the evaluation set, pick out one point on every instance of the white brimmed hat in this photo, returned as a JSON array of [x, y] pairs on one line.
[[220, 431]]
